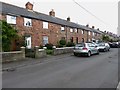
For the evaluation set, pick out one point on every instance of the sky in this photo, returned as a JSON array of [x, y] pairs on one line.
[[104, 12]]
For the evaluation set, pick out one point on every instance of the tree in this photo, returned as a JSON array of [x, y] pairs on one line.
[[105, 38], [8, 34]]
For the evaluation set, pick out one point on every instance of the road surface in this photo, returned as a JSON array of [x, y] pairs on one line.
[[67, 71]]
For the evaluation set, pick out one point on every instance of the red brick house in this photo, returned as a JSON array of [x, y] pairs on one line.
[[40, 29]]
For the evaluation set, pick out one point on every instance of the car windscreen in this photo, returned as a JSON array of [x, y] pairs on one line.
[[80, 45], [101, 44]]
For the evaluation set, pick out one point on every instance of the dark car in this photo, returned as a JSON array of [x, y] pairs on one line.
[[114, 45]]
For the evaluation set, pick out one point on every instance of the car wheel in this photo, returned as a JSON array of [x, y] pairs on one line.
[[105, 50], [75, 54], [89, 54]]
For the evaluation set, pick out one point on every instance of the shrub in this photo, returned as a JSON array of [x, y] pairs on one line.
[[50, 52], [62, 42], [70, 44], [8, 35], [59, 46], [49, 46]]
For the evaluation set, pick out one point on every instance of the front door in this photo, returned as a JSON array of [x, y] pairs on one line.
[[28, 42]]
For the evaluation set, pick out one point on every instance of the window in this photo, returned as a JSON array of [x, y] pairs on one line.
[[71, 30], [45, 25], [45, 40], [82, 31], [62, 28], [11, 19], [27, 22], [76, 30], [89, 32], [93, 34]]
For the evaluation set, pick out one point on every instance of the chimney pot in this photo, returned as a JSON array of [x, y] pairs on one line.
[[29, 6], [87, 25], [93, 27], [52, 12], [68, 19], [98, 29]]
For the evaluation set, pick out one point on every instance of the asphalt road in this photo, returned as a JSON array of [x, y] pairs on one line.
[[67, 71]]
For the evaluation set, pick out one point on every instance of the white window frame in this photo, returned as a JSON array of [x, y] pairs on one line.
[[71, 30], [45, 40], [62, 28], [11, 19], [89, 32], [27, 22], [45, 25], [93, 34], [76, 30], [82, 31]]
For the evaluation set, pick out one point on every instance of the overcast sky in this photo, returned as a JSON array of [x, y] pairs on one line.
[[106, 11]]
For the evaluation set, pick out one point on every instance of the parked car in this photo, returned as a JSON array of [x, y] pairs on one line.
[[85, 49], [114, 45], [103, 47]]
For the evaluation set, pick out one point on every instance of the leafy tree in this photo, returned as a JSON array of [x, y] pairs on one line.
[[8, 34], [105, 38]]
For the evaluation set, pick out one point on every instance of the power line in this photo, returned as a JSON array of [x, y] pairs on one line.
[[89, 12]]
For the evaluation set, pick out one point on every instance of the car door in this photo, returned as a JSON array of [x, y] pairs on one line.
[[94, 48], [91, 48]]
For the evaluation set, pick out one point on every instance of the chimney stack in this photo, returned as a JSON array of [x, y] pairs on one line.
[[68, 19], [87, 25], [52, 13], [29, 6], [93, 27], [98, 29]]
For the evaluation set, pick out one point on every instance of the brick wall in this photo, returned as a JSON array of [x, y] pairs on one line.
[[54, 33]]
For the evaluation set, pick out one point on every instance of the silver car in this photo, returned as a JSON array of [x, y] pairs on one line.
[[85, 49], [103, 47]]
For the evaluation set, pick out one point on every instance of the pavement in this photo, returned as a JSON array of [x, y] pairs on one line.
[[31, 61], [64, 71]]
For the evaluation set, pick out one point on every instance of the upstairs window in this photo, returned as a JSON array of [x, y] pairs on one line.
[[11, 19], [82, 31], [45, 25], [62, 28], [93, 34], [27, 22], [76, 30], [89, 32], [71, 30]]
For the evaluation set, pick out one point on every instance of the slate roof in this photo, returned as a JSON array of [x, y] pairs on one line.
[[18, 11]]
